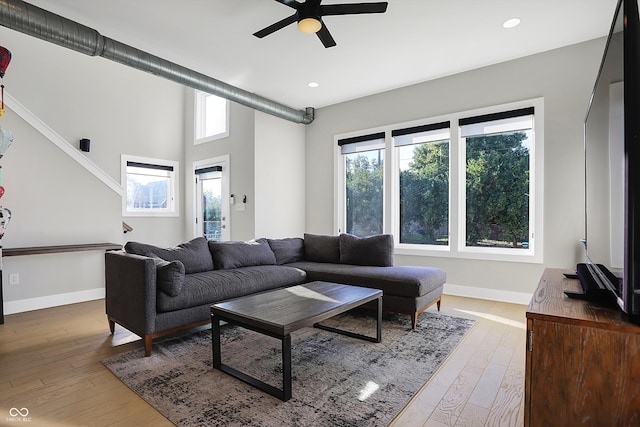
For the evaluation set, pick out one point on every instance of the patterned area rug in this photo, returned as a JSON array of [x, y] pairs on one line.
[[337, 380]]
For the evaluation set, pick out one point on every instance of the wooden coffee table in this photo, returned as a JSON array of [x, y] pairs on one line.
[[280, 312]]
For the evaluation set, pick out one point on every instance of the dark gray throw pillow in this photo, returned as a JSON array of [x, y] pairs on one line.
[[169, 276], [194, 254], [287, 250], [373, 250], [228, 255], [321, 248]]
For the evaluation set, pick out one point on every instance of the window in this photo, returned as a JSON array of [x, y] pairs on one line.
[[465, 185], [423, 170], [211, 117], [497, 178], [364, 183], [150, 187]]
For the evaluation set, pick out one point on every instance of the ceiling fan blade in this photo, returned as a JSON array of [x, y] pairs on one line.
[[291, 3], [277, 26], [325, 36], [353, 8]]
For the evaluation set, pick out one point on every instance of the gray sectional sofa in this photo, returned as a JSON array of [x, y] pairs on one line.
[[155, 291]]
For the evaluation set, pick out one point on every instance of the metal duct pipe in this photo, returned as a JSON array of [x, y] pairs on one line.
[[34, 21]]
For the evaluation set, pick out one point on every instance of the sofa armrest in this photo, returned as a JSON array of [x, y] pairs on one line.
[[130, 291]]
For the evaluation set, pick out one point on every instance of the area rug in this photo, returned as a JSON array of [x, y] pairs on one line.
[[337, 380]]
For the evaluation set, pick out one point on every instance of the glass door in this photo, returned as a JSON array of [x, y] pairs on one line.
[[212, 206]]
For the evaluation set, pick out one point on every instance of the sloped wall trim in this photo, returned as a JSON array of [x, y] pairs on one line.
[[61, 143]]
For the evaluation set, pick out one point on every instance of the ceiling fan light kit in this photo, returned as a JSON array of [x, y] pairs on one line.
[[309, 25], [309, 15]]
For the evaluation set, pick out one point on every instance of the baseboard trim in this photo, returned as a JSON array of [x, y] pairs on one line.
[[488, 294], [20, 306]]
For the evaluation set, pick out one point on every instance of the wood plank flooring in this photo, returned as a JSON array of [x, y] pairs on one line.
[[50, 364]]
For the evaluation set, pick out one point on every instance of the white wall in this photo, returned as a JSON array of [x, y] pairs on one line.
[[54, 199], [564, 77], [279, 177], [240, 148]]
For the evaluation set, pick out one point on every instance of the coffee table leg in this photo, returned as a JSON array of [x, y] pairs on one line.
[[215, 341], [378, 337], [379, 326], [284, 394], [286, 368]]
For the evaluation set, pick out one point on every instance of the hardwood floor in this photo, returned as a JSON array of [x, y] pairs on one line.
[[50, 364], [482, 381]]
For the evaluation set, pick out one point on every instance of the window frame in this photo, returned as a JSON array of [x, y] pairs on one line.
[[199, 118], [396, 218], [462, 244], [340, 213], [457, 189], [172, 209]]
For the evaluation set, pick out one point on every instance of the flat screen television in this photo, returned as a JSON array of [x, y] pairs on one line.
[[612, 169]]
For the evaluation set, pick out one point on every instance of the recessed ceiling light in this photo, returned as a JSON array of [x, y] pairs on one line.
[[510, 23], [313, 84]]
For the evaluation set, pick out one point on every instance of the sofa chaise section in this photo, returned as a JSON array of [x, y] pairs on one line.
[[406, 289], [367, 262]]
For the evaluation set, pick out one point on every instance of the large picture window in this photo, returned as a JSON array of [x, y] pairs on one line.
[[150, 187], [423, 169], [466, 185], [498, 166]]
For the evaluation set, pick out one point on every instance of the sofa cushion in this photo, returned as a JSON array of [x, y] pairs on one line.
[[405, 281], [321, 248], [241, 254], [373, 250], [213, 286], [169, 276], [287, 250], [194, 254]]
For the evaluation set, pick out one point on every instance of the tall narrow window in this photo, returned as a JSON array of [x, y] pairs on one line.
[[150, 186], [364, 182], [423, 167], [498, 185], [211, 117]]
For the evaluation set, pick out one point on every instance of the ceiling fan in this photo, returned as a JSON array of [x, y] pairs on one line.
[[309, 17]]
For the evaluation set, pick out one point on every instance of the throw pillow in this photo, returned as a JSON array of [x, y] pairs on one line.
[[287, 250], [320, 248], [169, 276], [228, 255], [374, 250], [194, 254]]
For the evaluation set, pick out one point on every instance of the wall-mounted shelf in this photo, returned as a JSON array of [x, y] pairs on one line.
[[36, 250]]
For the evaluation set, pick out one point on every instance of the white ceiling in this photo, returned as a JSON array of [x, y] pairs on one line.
[[414, 41]]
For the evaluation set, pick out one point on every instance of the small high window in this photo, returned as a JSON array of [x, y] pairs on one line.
[[211, 117]]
